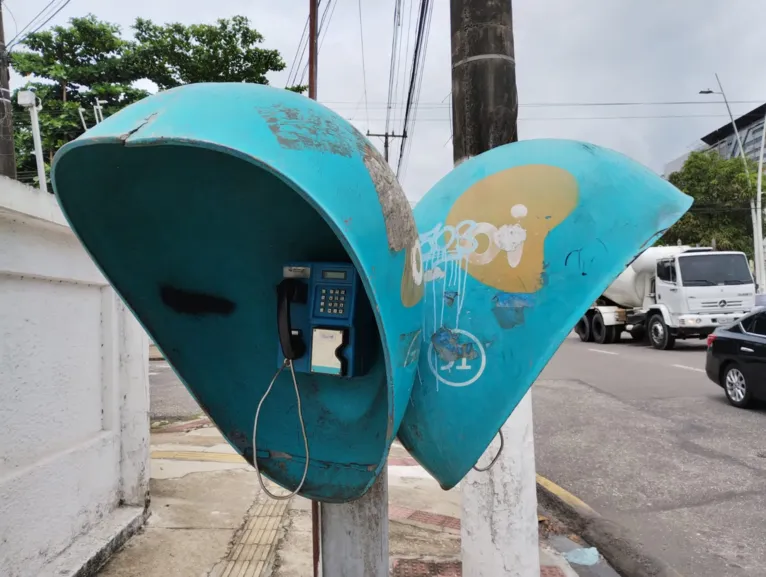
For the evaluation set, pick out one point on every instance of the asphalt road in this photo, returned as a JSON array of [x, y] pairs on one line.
[[644, 438], [168, 398]]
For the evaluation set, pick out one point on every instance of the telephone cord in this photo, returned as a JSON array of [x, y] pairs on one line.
[[303, 431]]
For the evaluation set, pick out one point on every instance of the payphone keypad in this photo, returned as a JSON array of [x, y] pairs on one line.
[[331, 301]]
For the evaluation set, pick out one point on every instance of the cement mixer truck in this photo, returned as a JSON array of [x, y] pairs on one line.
[[669, 293]]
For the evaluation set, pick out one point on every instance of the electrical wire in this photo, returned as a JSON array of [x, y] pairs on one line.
[[444, 104], [4, 4], [392, 65], [418, 63], [364, 67], [31, 22], [297, 60], [303, 431], [48, 19]]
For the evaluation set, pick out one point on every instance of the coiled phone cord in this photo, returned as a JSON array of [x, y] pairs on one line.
[[303, 431]]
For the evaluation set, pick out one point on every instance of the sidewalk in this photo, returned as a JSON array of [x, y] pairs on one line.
[[209, 518]]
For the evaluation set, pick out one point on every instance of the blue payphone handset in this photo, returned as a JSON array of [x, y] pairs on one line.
[[316, 318]]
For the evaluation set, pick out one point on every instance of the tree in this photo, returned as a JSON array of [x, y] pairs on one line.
[[74, 66], [722, 192], [227, 51]]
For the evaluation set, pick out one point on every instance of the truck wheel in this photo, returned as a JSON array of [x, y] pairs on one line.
[[602, 334], [659, 335], [583, 329], [638, 334]]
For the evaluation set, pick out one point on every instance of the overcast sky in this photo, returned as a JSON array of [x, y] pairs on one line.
[[567, 51]]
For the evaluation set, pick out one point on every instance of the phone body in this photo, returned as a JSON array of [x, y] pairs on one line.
[[318, 318]]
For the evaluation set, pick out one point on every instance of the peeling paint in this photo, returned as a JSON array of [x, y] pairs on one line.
[[449, 297], [448, 348], [397, 212], [306, 130], [509, 308]]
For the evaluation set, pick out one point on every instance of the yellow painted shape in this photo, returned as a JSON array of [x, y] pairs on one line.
[[198, 456], [548, 193]]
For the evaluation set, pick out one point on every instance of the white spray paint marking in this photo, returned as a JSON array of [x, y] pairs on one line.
[[686, 368], [603, 352]]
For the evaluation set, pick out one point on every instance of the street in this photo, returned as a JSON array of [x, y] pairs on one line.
[[168, 399], [647, 440], [644, 438]]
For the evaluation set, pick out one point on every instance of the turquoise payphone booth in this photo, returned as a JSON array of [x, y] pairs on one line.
[[264, 245], [515, 244]]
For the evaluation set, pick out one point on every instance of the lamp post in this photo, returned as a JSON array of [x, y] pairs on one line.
[[755, 212]]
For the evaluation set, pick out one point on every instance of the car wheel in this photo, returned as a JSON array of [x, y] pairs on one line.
[[659, 335], [583, 329], [735, 385]]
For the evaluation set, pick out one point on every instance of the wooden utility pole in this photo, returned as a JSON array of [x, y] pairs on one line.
[[499, 518], [313, 48], [386, 138], [7, 152]]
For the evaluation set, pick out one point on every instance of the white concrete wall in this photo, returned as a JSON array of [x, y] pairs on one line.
[[74, 425]]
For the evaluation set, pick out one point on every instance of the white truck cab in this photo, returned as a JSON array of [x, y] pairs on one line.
[[669, 293]]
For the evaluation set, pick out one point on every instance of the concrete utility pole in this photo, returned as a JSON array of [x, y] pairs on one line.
[[7, 152], [499, 520], [352, 538]]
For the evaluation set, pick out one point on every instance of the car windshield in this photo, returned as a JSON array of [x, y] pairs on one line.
[[714, 269]]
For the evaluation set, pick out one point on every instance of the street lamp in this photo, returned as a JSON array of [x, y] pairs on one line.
[[755, 206]]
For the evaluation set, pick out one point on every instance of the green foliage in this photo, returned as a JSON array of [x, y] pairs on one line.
[[721, 209], [72, 66], [226, 51]]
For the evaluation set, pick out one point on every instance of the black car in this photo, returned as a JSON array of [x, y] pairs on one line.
[[736, 359]]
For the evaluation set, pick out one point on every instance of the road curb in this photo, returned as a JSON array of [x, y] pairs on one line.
[[625, 554]]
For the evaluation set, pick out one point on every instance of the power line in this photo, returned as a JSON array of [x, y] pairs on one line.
[[418, 62], [364, 68], [443, 104], [31, 22], [7, 9], [392, 66], [573, 118], [297, 60], [62, 4]]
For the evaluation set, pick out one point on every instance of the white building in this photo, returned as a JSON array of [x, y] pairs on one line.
[[74, 403]]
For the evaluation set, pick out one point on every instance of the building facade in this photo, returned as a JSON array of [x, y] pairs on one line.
[[724, 141]]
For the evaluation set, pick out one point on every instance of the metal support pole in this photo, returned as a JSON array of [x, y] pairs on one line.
[[759, 211], [38, 148], [757, 232], [355, 534], [499, 517]]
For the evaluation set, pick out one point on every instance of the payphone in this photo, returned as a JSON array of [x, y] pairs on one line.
[[316, 317]]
